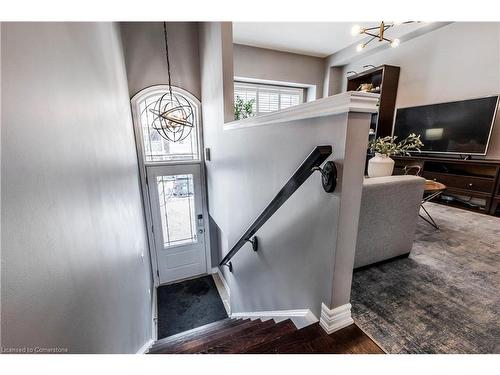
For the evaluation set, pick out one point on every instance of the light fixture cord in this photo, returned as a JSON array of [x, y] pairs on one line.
[[168, 60]]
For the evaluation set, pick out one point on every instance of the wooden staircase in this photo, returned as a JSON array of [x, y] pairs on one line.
[[233, 336]]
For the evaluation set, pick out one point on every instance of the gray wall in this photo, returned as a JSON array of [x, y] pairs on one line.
[[457, 61], [300, 244], [72, 222], [268, 64], [144, 50]]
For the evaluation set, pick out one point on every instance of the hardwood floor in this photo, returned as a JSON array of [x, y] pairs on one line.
[[231, 336]]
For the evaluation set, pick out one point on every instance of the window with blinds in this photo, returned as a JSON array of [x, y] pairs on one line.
[[268, 98]]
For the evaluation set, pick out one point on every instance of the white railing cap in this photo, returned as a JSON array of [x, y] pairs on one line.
[[351, 101]]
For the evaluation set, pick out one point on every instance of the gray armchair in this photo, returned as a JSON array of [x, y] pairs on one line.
[[388, 218]]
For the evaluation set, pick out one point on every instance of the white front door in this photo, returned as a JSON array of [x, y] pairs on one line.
[[172, 181], [175, 194]]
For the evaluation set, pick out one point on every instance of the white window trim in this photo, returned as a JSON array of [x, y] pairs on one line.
[[309, 89], [263, 86]]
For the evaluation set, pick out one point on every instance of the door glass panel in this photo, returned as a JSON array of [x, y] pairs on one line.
[[176, 197], [157, 148]]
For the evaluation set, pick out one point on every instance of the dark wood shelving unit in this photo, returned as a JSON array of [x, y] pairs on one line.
[[385, 77], [495, 203], [479, 179]]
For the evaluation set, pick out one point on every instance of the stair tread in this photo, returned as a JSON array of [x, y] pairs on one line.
[[196, 333], [291, 340], [353, 340], [242, 341], [257, 337], [195, 342], [349, 340], [229, 336]]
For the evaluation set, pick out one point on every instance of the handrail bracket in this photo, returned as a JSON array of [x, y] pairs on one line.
[[229, 265], [254, 242], [329, 176]]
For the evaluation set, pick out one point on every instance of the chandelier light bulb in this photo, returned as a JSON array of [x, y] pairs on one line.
[[356, 30], [376, 33], [395, 43]]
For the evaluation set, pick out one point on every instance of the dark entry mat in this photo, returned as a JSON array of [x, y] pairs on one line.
[[187, 305]]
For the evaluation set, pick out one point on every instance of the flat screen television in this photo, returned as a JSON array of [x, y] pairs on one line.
[[462, 127]]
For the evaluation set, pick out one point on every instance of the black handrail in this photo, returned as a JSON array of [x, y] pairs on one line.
[[308, 166]]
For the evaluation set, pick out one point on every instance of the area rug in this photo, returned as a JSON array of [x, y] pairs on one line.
[[443, 298], [188, 304]]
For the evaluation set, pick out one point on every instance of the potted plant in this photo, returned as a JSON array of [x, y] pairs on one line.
[[243, 108], [384, 147]]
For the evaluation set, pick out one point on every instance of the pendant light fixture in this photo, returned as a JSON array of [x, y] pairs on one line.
[[173, 115], [376, 32]]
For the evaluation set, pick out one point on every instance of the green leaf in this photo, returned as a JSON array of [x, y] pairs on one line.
[[388, 146], [243, 108]]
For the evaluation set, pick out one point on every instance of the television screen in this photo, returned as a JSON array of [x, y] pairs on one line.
[[461, 127]]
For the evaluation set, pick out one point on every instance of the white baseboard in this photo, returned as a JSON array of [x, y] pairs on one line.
[[143, 349], [335, 319], [218, 272], [223, 289], [301, 318]]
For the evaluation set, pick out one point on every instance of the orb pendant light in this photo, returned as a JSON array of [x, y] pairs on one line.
[[173, 115]]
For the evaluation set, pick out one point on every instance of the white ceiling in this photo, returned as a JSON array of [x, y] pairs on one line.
[[309, 38]]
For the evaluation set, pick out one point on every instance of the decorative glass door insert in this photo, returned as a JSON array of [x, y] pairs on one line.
[[177, 209]]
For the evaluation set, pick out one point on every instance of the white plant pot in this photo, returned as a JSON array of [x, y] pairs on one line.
[[380, 166]]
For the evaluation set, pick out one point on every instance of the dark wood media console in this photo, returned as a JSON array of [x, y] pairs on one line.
[[471, 184]]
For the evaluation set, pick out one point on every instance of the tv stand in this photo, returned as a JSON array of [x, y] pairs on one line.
[[471, 184], [433, 156]]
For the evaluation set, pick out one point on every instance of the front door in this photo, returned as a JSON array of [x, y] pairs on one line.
[[175, 194], [172, 181]]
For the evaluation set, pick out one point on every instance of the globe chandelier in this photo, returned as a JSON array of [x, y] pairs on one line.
[[173, 115]]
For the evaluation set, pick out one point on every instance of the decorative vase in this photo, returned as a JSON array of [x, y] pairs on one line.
[[380, 165]]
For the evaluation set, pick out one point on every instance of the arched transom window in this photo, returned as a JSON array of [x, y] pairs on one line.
[[155, 148]]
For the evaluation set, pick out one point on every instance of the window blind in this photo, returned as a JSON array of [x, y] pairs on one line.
[[268, 98]]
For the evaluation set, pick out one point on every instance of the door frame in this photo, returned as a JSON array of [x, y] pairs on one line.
[[143, 175]]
